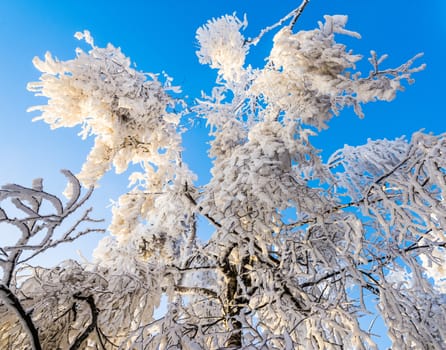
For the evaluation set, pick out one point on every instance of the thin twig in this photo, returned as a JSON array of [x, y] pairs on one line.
[[293, 14], [298, 12]]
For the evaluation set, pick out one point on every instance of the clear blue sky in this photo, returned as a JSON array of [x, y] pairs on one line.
[[160, 35]]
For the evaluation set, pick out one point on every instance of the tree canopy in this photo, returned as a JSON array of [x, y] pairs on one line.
[[301, 247]]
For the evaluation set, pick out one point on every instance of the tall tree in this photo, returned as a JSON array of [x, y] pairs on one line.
[[300, 246]]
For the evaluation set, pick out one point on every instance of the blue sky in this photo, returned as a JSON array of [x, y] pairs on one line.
[[160, 35]]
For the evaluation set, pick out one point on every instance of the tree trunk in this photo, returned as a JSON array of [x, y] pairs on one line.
[[233, 310]]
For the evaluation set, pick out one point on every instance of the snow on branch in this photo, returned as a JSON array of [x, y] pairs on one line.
[[36, 218], [129, 113], [222, 46], [37, 224], [312, 77]]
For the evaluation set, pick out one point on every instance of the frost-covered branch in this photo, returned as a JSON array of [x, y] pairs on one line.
[[298, 12], [295, 14], [94, 319], [36, 222], [35, 225], [193, 290], [8, 298]]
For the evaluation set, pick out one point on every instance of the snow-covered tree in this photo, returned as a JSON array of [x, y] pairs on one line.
[[301, 247]]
